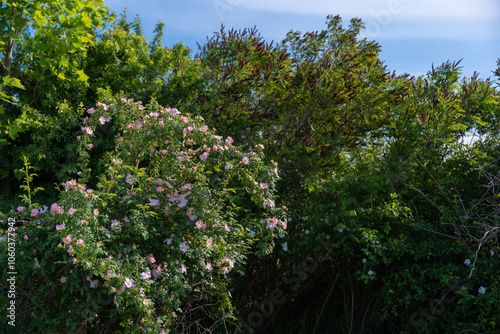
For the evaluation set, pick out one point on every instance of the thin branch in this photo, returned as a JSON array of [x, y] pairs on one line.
[[428, 230], [325, 302], [478, 248]]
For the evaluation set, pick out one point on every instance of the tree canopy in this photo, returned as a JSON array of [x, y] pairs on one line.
[[243, 186]]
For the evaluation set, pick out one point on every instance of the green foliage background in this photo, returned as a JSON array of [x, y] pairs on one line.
[[389, 184]]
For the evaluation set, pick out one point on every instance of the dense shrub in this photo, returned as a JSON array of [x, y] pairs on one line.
[[149, 248]]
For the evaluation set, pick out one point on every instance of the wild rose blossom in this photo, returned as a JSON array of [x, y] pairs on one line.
[[200, 225], [129, 179], [153, 202], [271, 223], [129, 283], [145, 275], [269, 203], [204, 156], [88, 130], [183, 247]]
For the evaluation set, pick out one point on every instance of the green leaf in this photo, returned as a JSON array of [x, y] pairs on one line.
[[85, 39], [13, 82], [3, 173], [39, 18], [82, 76], [87, 21]]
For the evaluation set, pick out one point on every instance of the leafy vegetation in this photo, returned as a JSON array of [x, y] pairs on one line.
[[300, 186]]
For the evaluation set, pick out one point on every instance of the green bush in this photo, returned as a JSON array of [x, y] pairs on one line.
[[175, 211]]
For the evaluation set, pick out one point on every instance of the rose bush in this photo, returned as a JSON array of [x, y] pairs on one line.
[[175, 210]]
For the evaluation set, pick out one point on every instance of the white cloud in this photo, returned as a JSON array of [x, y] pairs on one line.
[[364, 8]]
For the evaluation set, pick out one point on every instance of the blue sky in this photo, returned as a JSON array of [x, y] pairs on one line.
[[414, 34]]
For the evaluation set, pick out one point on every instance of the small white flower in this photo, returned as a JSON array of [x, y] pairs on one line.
[[306, 231], [340, 229], [364, 260], [482, 290], [285, 246], [370, 272], [467, 261], [251, 234]]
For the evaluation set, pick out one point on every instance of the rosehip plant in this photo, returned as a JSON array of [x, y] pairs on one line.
[[171, 218]]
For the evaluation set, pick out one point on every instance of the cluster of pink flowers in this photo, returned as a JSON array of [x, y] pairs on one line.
[[88, 129], [103, 120], [56, 208], [181, 199], [269, 203], [190, 215], [271, 223], [160, 188], [103, 105]]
